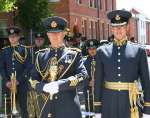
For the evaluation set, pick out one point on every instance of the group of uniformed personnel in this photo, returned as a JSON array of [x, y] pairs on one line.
[[15, 63], [47, 85]]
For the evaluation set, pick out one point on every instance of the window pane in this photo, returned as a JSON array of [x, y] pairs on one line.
[[3, 26]]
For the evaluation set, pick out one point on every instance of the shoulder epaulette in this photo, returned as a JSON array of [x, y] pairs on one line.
[[106, 44], [75, 49], [109, 43], [27, 46], [137, 44], [42, 50], [5, 47], [85, 57]]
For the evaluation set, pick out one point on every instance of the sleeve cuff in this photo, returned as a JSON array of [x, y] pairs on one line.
[[147, 104], [146, 108], [97, 103], [97, 106]]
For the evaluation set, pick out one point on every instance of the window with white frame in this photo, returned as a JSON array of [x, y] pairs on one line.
[[79, 1], [3, 26], [82, 22], [93, 3], [94, 24], [90, 24]]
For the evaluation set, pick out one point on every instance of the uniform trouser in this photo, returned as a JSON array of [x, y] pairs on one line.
[[62, 107], [116, 104], [22, 100]]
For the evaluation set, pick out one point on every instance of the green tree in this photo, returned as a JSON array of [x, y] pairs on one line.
[[7, 5], [30, 15], [31, 12]]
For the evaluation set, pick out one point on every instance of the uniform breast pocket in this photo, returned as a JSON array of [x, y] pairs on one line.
[[131, 57], [131, 60]]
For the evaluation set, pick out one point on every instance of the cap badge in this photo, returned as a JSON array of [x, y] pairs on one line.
[[12, 31], [53, 24], [117, 17], [38, 35], [91, 43]]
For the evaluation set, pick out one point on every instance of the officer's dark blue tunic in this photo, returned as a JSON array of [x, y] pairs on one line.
[[65, 104], [120, 64], [20, 63]]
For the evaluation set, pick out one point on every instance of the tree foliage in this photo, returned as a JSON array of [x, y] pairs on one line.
[[31, 12], [7, 5]]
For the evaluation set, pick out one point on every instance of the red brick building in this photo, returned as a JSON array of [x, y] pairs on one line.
[[6, 20], [139, 27], [87, 17], [133, 24], [148, 31]]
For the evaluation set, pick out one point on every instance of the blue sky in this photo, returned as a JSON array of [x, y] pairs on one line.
[[142, 5]]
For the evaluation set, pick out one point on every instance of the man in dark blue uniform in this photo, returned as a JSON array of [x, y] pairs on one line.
[[90, 63], [39, 41], [119, 66], [15, 62], [32, 102], [39, 44], [57, 73]]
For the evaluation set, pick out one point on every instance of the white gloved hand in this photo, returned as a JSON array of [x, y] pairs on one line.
[[98, 115], [51, 87], [146, 116]]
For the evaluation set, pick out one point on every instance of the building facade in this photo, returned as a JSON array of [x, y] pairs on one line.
[[6, 20], [88, 17], [139, 27], [148, 31]]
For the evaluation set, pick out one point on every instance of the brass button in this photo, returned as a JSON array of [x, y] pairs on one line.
[[49, 115], [56, 97], [118, 60]]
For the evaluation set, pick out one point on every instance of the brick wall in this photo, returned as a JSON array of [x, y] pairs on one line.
[[90, 21]]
